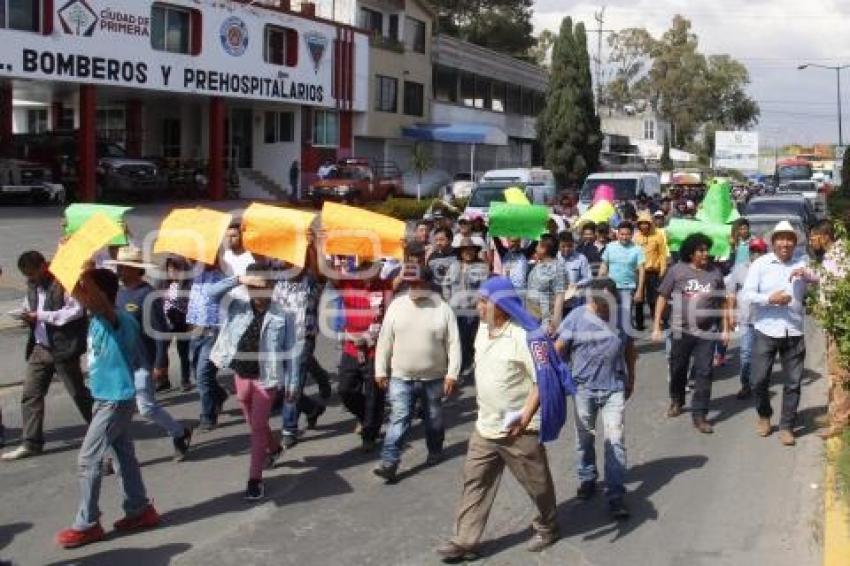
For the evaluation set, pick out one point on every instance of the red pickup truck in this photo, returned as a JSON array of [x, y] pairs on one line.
[[357, 180]]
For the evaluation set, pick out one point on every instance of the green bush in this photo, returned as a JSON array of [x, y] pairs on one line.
[[402, 208]]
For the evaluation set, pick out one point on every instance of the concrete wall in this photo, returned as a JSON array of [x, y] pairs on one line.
[[275, 159], [513, 125]]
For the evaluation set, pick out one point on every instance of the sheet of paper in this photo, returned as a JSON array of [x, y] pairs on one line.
[[195, 233], [517, 220], [276, 232], [511, 419], [354, 231], [78, 213], [77, 250]]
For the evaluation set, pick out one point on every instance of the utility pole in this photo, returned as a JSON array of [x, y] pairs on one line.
[[600, 22]]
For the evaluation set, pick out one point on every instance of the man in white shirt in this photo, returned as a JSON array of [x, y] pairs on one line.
[[236, 259], [417, 357], [775, 289], [58, 329]]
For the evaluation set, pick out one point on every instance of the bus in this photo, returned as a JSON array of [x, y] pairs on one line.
[[794, 169]]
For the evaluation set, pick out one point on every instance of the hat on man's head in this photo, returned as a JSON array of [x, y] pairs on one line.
[[131, 257], [783, 227], [469, 243]]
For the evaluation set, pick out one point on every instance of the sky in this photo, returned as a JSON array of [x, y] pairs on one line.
[[770, 37]]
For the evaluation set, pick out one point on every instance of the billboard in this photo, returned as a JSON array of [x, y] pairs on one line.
[[736, 150]]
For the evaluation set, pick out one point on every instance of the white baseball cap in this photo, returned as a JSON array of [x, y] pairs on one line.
[[783, 227]]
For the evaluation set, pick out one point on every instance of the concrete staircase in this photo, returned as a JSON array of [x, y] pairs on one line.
[[256, 185]]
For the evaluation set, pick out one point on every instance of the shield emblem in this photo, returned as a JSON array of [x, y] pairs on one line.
[[317, 44]]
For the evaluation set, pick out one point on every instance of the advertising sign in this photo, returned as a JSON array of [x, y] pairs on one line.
[[149, 45], [736, 150]]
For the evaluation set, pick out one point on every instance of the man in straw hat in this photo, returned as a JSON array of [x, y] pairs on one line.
[[133, 298], [775, 288]]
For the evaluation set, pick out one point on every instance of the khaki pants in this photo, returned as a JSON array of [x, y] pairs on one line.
[[839, 394], [526, 458]]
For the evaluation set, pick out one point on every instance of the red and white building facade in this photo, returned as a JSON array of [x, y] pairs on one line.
[[242, 86]]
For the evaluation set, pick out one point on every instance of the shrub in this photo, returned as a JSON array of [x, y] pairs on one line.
[[402, 208]]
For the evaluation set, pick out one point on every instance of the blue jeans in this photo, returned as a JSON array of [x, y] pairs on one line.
[[746, 346], [588, 404], [403, 395], [109, 428], [300, 403], [626, 297], [206, 375], [148, 406]]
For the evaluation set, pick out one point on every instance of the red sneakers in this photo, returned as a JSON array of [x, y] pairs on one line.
[[72, 538], [144, 520]]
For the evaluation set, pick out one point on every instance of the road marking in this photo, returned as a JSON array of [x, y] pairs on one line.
[[836, 540]]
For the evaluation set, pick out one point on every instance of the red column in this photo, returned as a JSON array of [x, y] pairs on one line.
[[55, 115], [346, 134], [133, 118], [216, 155], [5, 116], [88, 153]]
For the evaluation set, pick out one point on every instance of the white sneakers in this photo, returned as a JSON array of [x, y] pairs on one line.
[[19, 453]]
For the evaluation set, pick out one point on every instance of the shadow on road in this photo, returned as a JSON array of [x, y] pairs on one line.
[[159, 556], [10, 531]]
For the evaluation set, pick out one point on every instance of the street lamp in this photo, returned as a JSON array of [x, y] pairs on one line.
[[837, 69]]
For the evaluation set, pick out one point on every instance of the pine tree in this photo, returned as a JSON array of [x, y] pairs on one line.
[[568, 127]]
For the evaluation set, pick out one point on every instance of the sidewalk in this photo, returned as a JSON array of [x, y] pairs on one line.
[[836, 539]]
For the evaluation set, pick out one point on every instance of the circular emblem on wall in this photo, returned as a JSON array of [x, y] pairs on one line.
[[234, 36]]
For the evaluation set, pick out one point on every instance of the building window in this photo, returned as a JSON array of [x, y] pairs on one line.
[[36, 120], [467, 89], [649, 129], [514, 99], [414, 35], [445, 84], [393, 23], [171, 138], [280, 46], [279, 127], [111, 124], [66, 119], [497, 96], [371, 20], [386, 94], [527, 102], [325, 128], [21, 15], [171, 29], [414, 99], [482, 92]]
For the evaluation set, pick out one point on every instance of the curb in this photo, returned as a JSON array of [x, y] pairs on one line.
[[836, 540]]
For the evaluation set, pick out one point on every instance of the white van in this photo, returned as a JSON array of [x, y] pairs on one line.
[[627, 186], [539, 183]]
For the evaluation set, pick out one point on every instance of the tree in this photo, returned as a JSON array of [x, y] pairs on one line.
[[568, 127], [420, 161], [697, 94], [501, 25], [539, 54], [666, 162]]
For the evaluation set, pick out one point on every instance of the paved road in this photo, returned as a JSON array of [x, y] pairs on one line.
[[727, 499]]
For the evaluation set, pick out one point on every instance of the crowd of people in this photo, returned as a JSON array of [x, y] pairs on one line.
[[525, 323]]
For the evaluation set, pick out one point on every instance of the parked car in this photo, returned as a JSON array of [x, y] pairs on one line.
[[117, 174], [486, 192], [627, 186], [23, 180], [762, 225], [358, 180], [539, 184], [462, 185], [811, 190], [789, 206]]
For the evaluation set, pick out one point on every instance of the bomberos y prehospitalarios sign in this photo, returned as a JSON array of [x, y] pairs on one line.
[[111, 42]]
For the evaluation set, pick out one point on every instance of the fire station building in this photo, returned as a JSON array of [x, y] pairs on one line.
[[239, 86]]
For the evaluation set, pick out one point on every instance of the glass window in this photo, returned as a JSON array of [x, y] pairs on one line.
[[445, 84], [279, 127], [171, 138], [386, 94], [274, 51], [36, 120], [393, 30], [482, 92], [111, 124], [649, 129], [514, 99], [22, 15], [414, 99], [497, 95], [170, 28], [371, 20], [527, 102], [325, 128], [467, 89], [414, 35]]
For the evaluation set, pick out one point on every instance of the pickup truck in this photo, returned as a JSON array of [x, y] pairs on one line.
[[357, 180], [23, 180]]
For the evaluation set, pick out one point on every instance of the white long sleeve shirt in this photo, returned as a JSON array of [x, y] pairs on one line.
[[71, 310], [766, 276], [418, 341]]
